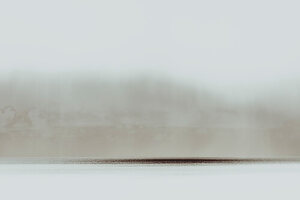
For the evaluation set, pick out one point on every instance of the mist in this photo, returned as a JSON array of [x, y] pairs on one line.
[[117, 79]]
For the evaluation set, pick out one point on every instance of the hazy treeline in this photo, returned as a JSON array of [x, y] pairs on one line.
[[138, 116]]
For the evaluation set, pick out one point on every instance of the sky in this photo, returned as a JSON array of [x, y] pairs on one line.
[[226, 45]]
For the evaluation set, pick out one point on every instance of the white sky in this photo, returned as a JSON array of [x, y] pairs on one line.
[[222, 44]]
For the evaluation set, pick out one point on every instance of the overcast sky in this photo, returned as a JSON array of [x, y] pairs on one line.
[[219, 43]]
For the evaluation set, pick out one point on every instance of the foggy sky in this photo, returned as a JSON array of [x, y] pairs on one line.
[[236, 47]]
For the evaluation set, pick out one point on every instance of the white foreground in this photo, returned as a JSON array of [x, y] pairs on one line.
[[246, 181]]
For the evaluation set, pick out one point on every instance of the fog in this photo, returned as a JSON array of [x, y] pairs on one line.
[[149, 78], [89, 115]]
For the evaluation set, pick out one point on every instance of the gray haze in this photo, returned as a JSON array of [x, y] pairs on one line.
[[89, 115], [149, 78]]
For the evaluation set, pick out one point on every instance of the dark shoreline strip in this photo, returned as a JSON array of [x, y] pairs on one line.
[[175, 161]]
